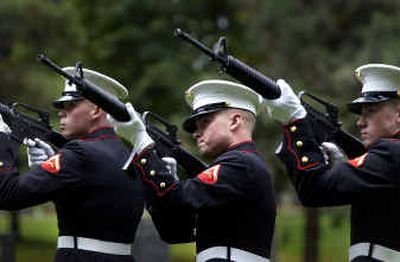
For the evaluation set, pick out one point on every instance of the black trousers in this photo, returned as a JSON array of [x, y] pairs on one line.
[[365, 259], [76, 255]]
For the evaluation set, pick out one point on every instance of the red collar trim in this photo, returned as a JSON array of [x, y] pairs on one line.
[[103, 132], [100, 128], [240, 143]]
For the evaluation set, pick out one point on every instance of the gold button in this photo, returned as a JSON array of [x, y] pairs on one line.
[[293, 129], [304, 159], [162, 184], [143, 161], [299, 143], [152, 173], [1, 164]]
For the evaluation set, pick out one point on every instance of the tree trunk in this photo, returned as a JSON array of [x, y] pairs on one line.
[[14, 226], [311, 235]]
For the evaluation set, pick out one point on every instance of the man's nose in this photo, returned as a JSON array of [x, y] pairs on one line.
[[360, 122], [196, 134], [61, 114]]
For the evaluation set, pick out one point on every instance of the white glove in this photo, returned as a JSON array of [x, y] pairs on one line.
[[332, 153], [38, 151], [134, 131], [171, 165], [4, 128], [287, 107]]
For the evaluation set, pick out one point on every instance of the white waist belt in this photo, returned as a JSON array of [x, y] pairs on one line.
[[378, 252], [95, 245], [236, 254]]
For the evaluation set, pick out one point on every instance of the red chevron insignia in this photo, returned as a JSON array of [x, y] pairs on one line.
[[358, 161], [210, 176], [53, 164]]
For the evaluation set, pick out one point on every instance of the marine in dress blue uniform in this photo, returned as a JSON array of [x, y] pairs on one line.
[[228, 209], [98, 206], [369, 183]]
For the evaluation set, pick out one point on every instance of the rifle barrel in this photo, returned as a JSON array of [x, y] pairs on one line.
[[185, 36], [249, 76], [45, 60]]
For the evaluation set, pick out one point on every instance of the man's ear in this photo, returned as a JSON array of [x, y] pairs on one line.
[[397, 118], [235, 121], [96, 112]]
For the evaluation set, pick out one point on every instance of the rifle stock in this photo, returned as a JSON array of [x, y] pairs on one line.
[[167, 144], [351, 145], [327, 128]]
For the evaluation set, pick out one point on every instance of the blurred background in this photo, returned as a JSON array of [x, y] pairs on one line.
[[314, 45]]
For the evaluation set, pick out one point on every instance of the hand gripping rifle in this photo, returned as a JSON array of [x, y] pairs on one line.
[[250, 77], [26, 126], [167, 143], [327, 127]]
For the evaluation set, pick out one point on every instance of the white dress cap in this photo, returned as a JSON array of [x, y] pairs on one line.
[[107, 83], [213, 95], [104, 82], [380, 83], [378, 78], [217, 91]]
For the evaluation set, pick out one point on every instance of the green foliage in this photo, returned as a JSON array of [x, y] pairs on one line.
[[133, 41], [315, 45], [28, 27], [334, 234]]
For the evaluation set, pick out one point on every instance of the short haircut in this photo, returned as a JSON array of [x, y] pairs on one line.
[[394, 102], [248, 118]]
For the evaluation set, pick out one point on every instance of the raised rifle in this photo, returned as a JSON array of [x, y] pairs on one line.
[[249, 76], [327, 127], [90, 91], [167, 143], [25, 126]]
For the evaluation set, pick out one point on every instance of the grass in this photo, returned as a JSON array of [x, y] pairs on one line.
[[334, 234], [183, 252], [39, 234]]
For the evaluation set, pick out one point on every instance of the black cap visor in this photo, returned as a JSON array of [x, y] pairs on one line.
[[67, 97], [189, 125], [369, 98]]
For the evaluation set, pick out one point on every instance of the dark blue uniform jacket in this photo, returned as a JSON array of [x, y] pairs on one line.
[[233, 199], [92, 195], [369, 183]]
